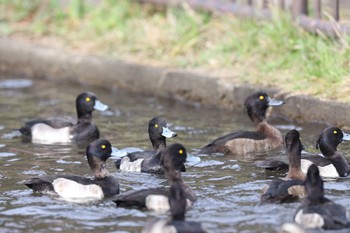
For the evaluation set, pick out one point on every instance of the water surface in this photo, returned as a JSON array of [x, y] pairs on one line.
[[228, 188]]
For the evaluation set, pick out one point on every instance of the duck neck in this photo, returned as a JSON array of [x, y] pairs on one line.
[[98, 167], [269, 131], [341, 164], [174, 177], [257, 118], [84, 117], [316, 196], [327, 150], [294, 171], [158, 144]]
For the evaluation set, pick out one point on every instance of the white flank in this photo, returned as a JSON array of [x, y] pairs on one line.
[[304, 165], [126, 165], [158, 203], [326, 171], [74, 192], [160, 227], [312, 220], [43, 133]]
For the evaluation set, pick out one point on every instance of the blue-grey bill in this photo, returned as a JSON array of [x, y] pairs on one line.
[[168, 133], [346, 136], [100, 106], [273, 102]]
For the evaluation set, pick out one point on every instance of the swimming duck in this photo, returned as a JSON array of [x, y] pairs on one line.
[[172, 161], [264, 139], [177, 222], [76, 188], [333, 164], [149, 161], [290, 188], [64, 130], [318, 211]]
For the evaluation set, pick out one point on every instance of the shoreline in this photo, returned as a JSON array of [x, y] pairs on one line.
[[40, 62]]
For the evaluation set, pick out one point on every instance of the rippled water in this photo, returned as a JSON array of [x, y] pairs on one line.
[[228, 188]]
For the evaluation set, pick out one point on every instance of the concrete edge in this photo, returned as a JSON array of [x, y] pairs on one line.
[[42, 62]]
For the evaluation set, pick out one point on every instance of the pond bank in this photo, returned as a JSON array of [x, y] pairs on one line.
[[198, 88]]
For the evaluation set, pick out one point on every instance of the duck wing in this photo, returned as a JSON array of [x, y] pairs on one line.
[[133, 156], [44, 183], [218, 145], [140, 155], [317, 160], [137, 198], [281, 191], [272, 164]]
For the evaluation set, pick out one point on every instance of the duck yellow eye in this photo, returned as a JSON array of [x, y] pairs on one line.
[[156, 125], [261, 97], [87, 99], [335, 132], [103, 146], [181, 152]]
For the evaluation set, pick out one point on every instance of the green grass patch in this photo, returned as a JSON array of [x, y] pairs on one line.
[[274, 53]]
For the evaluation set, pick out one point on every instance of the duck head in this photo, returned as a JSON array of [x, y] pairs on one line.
[[158, 130], [86, 103], [97, 152], [257, 104], [329, 139]]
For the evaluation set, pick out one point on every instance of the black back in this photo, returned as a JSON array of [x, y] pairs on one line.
[[278, 191], [273, 165], [317, 160], [152, 164], [137, 198], [109, 185]]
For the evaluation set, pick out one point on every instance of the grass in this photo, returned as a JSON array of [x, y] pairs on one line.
[[272, 53]]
